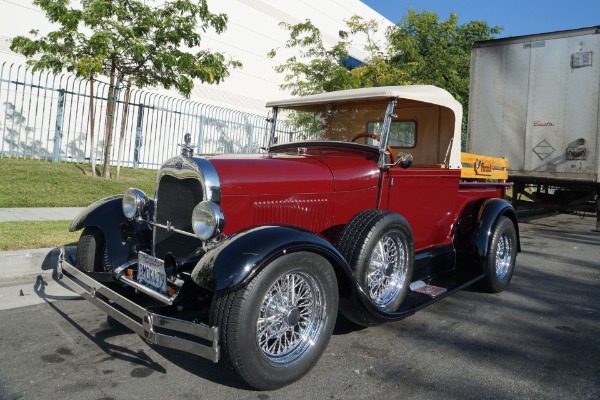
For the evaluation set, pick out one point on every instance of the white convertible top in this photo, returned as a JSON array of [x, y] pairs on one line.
[[421, 93]]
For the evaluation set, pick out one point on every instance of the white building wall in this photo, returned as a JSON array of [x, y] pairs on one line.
[[253, 30]]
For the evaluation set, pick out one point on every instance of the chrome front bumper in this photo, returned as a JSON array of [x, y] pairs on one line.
[[104, 298]]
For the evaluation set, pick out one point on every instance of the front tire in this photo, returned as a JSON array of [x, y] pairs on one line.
[[91, 251], [274, 330], [500, 260]]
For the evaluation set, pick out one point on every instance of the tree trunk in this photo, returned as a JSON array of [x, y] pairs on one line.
[[110, 120], [123, 125], [92, 136]]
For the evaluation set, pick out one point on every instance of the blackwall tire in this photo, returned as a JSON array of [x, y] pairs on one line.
[[500, 260], [274, 330], [379, 247], [91, 250]]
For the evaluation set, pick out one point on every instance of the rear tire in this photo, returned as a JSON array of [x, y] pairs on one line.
[[274, 330], [500, 261], [91, 251]]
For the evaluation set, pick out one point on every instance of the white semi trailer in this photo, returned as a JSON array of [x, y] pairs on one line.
[[535, 100]]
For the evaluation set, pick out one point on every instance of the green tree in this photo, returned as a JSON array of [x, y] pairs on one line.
[[132, 42], [314, 67], [418, 50], [437, 52]]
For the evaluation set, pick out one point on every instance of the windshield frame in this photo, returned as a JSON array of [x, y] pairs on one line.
[[382, 148]]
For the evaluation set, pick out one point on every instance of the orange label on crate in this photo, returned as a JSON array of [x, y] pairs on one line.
[[483, 167]]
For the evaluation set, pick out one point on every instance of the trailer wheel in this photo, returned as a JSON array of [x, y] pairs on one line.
[[379, 247], [273, 331], [500, 261], [91, 251]]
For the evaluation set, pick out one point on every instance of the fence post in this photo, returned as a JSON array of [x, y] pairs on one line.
[[138, 137], [59, 123], [200, 134], [250, 133]]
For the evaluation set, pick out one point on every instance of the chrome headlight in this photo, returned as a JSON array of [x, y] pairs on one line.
[[207, 220], [135, 203]]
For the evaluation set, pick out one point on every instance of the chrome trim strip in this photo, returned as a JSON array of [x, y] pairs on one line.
[[273, 126], [177, 325], [119, 270], [210, 180], [385, 132], [102, 297]]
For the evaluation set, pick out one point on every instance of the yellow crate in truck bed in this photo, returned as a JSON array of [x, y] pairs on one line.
[[475, 166]]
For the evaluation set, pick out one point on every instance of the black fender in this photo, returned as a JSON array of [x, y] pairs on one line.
[[236, 260], [483, 214], [471, 241], [123, 237], [239, 258]]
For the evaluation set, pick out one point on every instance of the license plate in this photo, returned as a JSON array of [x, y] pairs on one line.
[[151, 272]]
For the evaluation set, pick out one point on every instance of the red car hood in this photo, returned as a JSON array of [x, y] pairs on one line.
[[289, 174]]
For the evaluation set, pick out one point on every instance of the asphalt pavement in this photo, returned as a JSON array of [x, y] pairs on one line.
[[540, 339]]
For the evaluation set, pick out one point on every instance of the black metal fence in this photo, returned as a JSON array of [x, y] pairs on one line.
[[46, 116]]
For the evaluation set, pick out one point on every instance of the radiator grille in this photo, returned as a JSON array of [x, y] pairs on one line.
[[175, 201]]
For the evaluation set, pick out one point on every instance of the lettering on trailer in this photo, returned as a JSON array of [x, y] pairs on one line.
[[540, 123]]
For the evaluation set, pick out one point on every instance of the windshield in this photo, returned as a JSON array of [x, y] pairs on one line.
[[327, 122]]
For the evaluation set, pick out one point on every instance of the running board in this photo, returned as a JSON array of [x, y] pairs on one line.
[[424, 293]]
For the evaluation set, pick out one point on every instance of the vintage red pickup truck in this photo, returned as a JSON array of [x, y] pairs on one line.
[[249, 258]]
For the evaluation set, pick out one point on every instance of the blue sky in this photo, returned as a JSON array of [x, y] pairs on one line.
[[516, 17]]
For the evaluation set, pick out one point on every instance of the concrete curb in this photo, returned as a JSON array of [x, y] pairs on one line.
[[22, 264], [39, 214]]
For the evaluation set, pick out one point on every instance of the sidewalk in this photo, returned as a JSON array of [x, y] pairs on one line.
[[39, 214], [26, 264]]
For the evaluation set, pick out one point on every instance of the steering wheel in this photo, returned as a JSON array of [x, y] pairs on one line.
[[378, 138]]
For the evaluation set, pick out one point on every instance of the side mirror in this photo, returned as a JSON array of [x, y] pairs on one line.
[[404, 160]]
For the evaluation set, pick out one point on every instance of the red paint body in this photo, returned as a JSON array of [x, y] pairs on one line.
[[322, 188]]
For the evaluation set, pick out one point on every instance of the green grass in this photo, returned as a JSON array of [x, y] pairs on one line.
[[38, 183], [35, 234]]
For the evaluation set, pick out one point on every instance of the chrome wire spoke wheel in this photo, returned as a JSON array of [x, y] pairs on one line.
[[387, 269], [273, 330], [290, 318], [500, 259], [503, 256]]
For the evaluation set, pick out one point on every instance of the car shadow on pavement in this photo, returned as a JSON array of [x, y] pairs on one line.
[[51, 259], [200, 367], [344, 326], [99, 337]]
